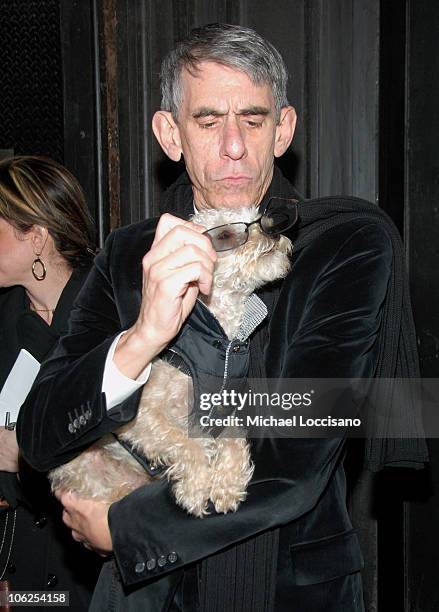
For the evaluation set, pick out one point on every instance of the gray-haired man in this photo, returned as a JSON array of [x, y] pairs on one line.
[[291, 545]]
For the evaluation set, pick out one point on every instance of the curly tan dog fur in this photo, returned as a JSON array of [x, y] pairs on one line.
[[200, 469]]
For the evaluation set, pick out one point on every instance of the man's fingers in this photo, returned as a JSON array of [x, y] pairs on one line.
[[194, 273], [187, 254], [168, 222], [179, 236], [180, 259]]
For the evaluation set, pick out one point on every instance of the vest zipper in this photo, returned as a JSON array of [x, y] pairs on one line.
[[226, 366]]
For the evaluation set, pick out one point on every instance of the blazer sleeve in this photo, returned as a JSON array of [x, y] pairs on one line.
[[325, 324], [66, 410]]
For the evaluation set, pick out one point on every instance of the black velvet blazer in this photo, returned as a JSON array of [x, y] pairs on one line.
[[325, 323]]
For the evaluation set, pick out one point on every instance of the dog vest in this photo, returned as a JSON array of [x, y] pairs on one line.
[[215, 363]]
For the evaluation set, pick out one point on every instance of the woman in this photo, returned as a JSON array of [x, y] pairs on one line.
[[46, 248]]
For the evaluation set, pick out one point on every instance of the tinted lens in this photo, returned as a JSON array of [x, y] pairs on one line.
[[279, 216], [227, 237]]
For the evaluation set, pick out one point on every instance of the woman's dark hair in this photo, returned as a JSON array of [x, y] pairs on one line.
[[39, 191]]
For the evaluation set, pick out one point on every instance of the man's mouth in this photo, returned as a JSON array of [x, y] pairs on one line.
[[235, 179]]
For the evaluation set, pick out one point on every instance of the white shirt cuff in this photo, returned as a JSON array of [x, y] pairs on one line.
[[116, 386]]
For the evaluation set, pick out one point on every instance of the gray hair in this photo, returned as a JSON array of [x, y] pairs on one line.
[[231, 45]]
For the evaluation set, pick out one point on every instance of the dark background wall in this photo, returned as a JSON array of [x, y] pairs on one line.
[[79, 82], [31, 100]]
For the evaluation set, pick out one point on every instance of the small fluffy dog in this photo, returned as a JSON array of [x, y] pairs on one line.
[[200, 469]]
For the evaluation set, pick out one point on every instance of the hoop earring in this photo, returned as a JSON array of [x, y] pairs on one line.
[[39, 262]]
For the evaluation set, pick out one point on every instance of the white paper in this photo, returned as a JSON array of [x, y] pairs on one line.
[[18, 385]]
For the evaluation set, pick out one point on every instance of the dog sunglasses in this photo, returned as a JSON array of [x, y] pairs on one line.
[[280, 215]]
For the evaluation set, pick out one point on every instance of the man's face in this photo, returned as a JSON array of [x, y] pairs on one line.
[[227, 132]]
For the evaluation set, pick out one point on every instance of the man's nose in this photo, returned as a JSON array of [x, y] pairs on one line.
[[233, 140]]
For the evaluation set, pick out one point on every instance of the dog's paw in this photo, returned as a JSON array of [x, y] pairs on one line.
[[193, 499], [228, 499], [232, 473]]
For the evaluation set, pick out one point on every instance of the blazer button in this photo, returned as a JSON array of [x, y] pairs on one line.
[[139, 567], [76, 423], [41, 521], [82, 420], [161, 561], [71, 428], [236, 348], [150, 564], [172, 557], [52, 580]]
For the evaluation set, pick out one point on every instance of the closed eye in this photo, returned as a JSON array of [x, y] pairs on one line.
[[207, 124], [253, 123]]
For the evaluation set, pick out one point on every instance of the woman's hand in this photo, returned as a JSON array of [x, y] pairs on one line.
[[8, 451]]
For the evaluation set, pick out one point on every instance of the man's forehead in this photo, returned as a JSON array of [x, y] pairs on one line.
[[211, 82], [204, 67]]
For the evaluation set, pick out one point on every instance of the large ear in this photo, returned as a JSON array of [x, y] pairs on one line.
[[167, 133], [38, 236], [285, 130]]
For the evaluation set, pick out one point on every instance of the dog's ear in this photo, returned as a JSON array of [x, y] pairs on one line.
[[272, 265]]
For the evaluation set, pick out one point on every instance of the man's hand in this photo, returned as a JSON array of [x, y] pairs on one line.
[[177, 268], [8, 450], [88, 520]]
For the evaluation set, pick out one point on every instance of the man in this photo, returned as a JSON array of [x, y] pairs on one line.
[[224, 109]]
